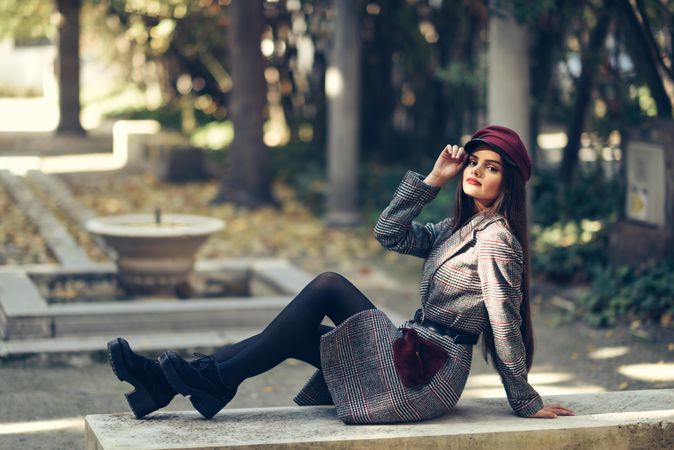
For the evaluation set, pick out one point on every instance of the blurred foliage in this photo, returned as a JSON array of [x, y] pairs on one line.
[[420, 64], [168, 116], [645, 291], [571, 222], [158, 42], [302, 166], [423, 61], [526, 11], [380, 182], [569, 251], [19, 91], [570, 245], [592, 195], [27, 21]]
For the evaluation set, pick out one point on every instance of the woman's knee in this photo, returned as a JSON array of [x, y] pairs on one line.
[[330, 279]]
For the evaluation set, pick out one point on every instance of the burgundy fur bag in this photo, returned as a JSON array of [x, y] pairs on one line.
[[415, 359]]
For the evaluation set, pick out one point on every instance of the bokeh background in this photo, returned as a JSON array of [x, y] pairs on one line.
[[415, 75], [295, 120]]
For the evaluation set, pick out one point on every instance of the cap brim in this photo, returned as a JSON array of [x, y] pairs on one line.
[[473, 144]]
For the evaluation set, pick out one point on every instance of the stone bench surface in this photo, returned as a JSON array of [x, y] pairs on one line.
[[609, 420]]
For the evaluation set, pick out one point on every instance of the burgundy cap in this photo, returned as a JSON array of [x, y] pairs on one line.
[[506, 142]]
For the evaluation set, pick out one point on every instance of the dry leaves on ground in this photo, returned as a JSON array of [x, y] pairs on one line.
[[291, 232], [20, 242]]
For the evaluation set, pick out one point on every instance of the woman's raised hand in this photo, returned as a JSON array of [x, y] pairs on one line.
[[447, 166], [552, 411]]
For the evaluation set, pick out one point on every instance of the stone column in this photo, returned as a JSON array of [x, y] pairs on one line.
[[342, 85], [508, 96], [508, 102]]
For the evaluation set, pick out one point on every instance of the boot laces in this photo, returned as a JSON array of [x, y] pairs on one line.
[[208, 365], [202, 362]]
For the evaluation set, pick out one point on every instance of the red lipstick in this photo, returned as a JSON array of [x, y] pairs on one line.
[[473, 181]]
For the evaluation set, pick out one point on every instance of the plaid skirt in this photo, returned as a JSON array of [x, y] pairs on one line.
[[359, 378]]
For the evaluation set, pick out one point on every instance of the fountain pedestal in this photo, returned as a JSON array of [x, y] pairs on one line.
[[154, 256]]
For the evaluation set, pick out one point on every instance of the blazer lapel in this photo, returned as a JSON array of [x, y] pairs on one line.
[[454, 243]]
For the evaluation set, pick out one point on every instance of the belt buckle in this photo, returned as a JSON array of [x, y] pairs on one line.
[[433, 329], [465, 339]]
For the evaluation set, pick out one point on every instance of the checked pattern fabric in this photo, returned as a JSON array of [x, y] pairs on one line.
[[471, 281]]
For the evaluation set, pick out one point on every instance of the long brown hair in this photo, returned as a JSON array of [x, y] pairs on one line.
[[511, 204]]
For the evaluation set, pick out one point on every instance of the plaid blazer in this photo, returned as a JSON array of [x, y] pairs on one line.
[[471, 281]]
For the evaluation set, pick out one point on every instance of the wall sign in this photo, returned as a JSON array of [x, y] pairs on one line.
[[645, 199]]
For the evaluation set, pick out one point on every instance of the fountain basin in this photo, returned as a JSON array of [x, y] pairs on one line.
[[154, 256]]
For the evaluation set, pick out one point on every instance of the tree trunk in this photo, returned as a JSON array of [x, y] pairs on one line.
[[589, 62], [644, 60], [377, 112], [68, 67], [248, 179], [343, 91]]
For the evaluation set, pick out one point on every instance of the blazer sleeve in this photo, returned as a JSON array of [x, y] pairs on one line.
[[499, 265], [397, 231]]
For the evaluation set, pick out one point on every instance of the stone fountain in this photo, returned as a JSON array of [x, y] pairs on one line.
[[77, 305], [155, 253]]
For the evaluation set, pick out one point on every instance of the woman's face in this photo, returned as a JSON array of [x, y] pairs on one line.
[[484, 169]]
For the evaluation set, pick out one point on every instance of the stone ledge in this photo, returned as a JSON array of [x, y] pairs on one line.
[[140, 342], [24, 314], [609, 420]]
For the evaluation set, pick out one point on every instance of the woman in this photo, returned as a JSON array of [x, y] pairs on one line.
[[475, 281]]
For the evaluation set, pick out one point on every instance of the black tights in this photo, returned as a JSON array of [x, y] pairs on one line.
[[296, 331]]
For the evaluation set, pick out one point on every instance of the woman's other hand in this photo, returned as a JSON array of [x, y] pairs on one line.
[[448, 165], [552, 411]]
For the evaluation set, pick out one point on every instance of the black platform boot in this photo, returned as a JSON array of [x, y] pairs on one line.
[[200, 380], [152, 390]]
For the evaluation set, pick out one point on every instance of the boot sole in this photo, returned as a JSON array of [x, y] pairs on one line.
[[140, 401], [204, 402]]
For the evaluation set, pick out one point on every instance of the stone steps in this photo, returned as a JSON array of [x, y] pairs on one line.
[[25, 314], [165, 315], [60, 241], [608, 420]]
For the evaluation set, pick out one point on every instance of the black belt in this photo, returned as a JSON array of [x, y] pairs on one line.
[[458, 338]]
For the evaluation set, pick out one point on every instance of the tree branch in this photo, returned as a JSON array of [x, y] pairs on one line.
[[648, 34], [642, 55]]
